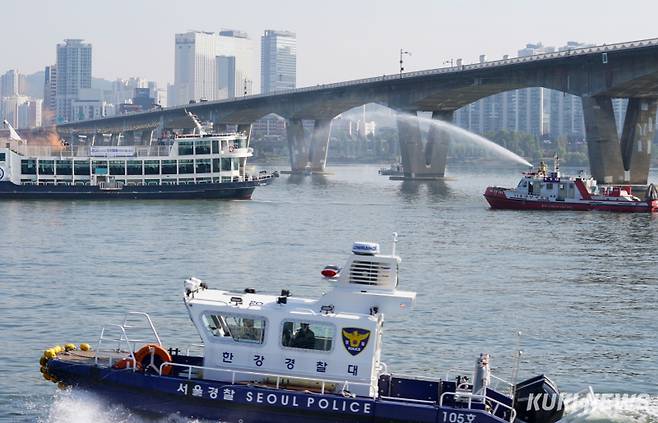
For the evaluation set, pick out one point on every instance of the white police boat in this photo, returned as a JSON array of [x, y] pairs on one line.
[[280, 358]]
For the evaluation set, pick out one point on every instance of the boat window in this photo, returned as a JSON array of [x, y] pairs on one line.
[[185, 166], [226, 164], [215, 165], [248, 329], [202, 147], [29, 167], [151, 167], [46, 167], [185, 148], [99, 167], [549, 186], [64, 167], [81, 167], [203, 166], [215, 146], [2, 157], [134, 167], [169, 167], [117, 167], [307, 335]]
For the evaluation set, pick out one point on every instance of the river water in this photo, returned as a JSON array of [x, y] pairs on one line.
[[581, 287]]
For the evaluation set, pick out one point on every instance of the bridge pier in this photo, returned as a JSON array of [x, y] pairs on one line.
[[611, 160], [423, 160], [320, 144], [297, 147], [636, 138]]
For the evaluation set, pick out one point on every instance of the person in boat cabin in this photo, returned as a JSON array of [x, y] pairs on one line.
[[304, 337], [248, 331]]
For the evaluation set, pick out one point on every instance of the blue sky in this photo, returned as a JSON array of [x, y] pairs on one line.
[[337, 40]]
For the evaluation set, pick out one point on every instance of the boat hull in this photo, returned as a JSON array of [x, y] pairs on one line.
[[498, 200], [224, 190], [247, 403]]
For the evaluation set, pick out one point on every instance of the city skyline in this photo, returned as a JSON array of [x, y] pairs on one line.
[[335, 42]]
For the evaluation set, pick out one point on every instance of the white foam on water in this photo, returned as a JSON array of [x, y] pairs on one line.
[[77, 406], [616, 408]]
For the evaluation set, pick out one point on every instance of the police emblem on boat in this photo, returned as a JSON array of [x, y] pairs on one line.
[[355, 339]]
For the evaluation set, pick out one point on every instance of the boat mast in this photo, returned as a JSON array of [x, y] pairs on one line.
[[199, 128]]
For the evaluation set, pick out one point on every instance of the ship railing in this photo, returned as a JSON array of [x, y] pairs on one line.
[[507, 387], [124, 342], [470, 397], [235, 374]]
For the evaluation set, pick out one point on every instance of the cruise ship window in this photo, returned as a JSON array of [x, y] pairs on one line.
[[215, 146], [46, 167], [202, 147], [151, 167], [29, 167], [202, 165], [81, 167], [226, 164], [185, 166], [307, 335], [2, 157], [185, 148], [134, 167], [64, 167], [117, 167], [247, 329], [169, 167]]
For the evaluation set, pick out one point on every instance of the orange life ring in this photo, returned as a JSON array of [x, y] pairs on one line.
[[160, 355]]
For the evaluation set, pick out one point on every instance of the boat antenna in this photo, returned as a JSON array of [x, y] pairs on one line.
[[395, 242], [517, 363], [196, 122]]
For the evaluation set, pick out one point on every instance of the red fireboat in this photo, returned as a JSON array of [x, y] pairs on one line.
[[543, 190]]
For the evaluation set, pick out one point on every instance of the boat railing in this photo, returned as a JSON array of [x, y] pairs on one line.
[[470, 397], [496, 385], [235, 374], [124, 342]]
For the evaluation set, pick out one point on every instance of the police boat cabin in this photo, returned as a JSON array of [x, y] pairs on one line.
[[196, 165], [280, 358]]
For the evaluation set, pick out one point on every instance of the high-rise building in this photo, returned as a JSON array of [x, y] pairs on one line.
[[211, 66], [73, 74], [9, 84], [278, 61], [11, 109], [49, 96], [29, 114]]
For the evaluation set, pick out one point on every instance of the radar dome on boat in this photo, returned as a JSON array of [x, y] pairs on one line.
[[365, 248]]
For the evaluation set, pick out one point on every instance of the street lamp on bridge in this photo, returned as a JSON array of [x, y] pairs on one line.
[[403, 52]]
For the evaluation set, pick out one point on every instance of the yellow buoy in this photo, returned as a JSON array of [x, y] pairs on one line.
[[43, 370], [50, 354], [85, 347], [45, 376], [43, 361], [69, 347], [58, 349]]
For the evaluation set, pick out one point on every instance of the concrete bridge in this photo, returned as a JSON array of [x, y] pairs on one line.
[[597, 74]]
